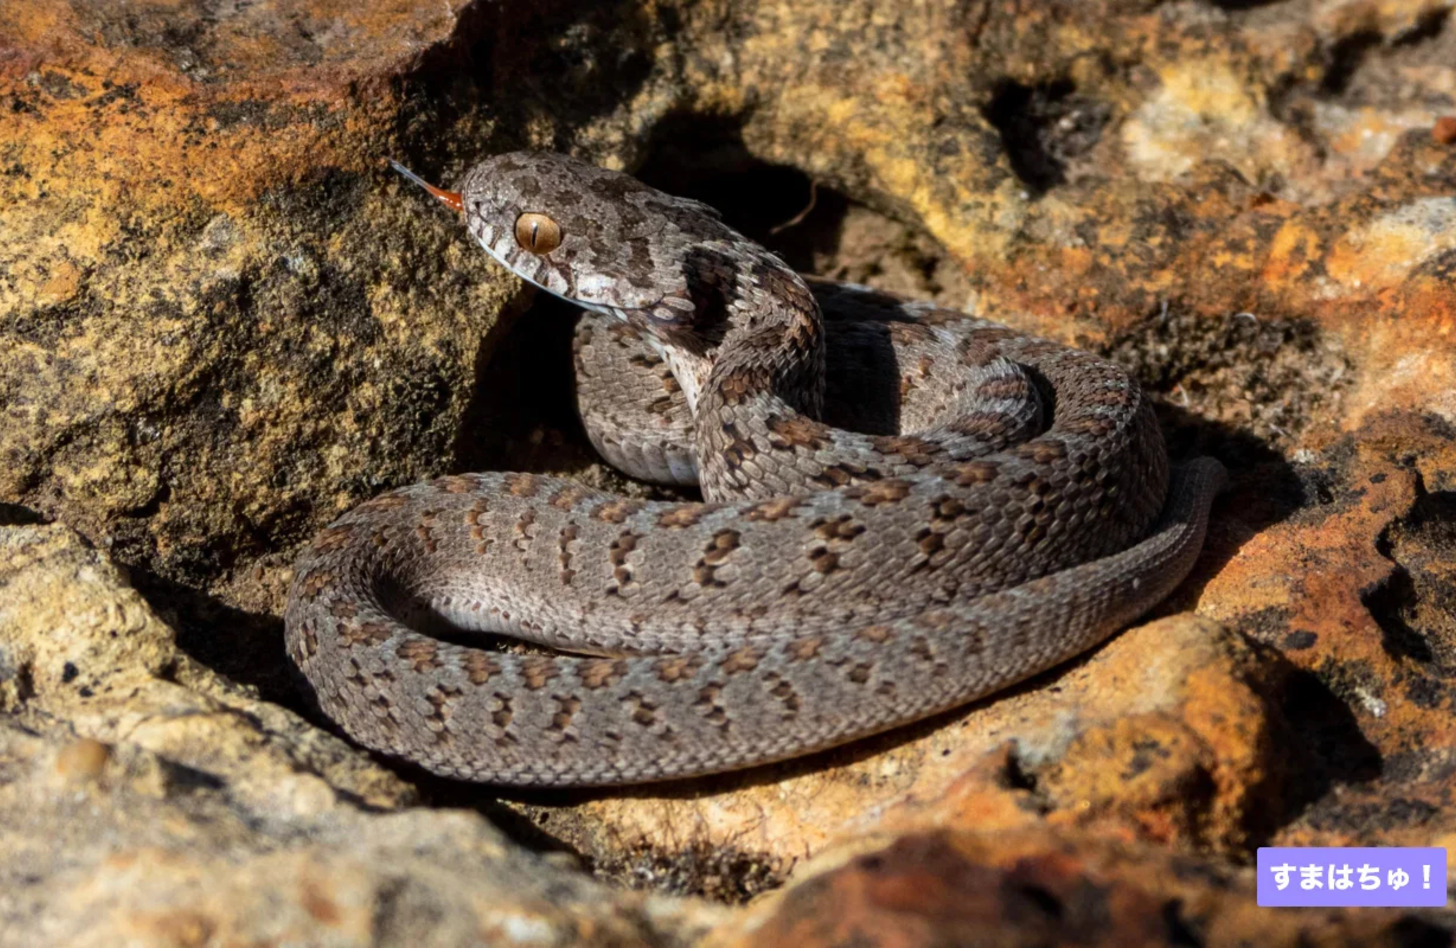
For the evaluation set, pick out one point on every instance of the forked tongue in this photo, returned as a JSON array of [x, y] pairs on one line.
[[451, 199]]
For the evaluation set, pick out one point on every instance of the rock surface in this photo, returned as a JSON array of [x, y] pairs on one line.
[[147, 801], [222, 323]]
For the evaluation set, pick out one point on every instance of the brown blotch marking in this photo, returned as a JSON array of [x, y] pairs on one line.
[[602, 672], [501, 716], [624, 544], [522, 528], [644, 709], [1003, 387], [1038, 349], [310, 640], [743, 382], [420, 653], [566, 709], [456, 483], [981, 423], [860, 673], [785, 693], [738, 450], [315, 582], [675, 668], [343, 609], [521, 485], [1087, 425], [975, 472], [979, 349], [354, 675], [930, 542], [906, 333], [915, 451], [427, 538], [567, 497], [1042, 450], [333, 538], [363, 633], [842, 527], [945, 510], [480, 667], [878, 634], [379, 538], [804, 648], [708, 697], [477, 529], [804, 329], [392, 501], [568, 534], [833, 476], [441, 697], [796, 432], [537, 670], [824, 561], [1106, 397], [922, 649], [776, 508], [889, 491], [836, 533], [684, 515], [743, 659], [616, 510], [720, 545]]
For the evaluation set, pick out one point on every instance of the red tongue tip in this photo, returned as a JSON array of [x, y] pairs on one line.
[[451, 199], [454, 200]]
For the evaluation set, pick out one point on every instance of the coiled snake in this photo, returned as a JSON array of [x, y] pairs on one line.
[[906, 509]]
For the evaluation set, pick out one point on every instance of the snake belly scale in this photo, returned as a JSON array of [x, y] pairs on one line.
[[1002, 505]]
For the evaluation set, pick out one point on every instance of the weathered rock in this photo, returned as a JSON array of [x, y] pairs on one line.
[[221, 323], [1036, 887], [207, 300], [145, 801]]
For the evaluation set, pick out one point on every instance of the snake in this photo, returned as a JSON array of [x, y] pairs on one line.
[[904, 509]]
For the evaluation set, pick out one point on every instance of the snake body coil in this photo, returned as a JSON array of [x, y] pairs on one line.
[[906, 509]]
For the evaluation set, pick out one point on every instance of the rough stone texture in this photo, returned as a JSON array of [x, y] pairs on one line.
[[1039, 887], [146, 801], [220, 323], [210, 290]]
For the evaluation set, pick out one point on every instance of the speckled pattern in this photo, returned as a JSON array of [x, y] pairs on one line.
[[1008, 506]]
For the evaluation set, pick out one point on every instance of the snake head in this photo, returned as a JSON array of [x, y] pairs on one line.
[[607, 242], [595, 237]]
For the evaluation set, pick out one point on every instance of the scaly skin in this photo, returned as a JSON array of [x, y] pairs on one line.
[[836, 583]]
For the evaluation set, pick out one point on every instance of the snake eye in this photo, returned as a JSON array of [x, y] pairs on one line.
[[537, 233]]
